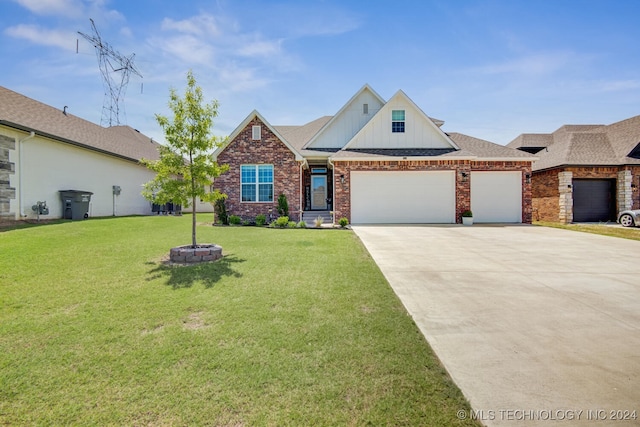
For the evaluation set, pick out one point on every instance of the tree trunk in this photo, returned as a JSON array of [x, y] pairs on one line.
[[193, 221]]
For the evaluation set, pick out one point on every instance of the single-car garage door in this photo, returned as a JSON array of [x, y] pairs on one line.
[[496, 196], [593, 200], [409, 197]]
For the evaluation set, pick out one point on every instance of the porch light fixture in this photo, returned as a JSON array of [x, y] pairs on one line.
[[527, 178], [464, 176], [342, 179]]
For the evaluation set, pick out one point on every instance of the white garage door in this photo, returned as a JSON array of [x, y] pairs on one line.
[[496, 196], [403, 197]]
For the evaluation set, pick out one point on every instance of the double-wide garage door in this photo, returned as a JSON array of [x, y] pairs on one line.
[[429, 197], [408, 197]]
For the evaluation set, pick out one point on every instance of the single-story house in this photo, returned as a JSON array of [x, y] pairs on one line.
[[585, 173], [374, 161], [45, 150]]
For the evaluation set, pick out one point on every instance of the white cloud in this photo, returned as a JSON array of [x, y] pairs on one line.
[[72, 8], [260, 48], [41, 36], [201, 25], [189, 49]]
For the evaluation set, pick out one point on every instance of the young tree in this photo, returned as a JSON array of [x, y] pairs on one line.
[[185, 167]]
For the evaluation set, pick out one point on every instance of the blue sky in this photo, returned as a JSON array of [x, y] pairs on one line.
[[489, 69]]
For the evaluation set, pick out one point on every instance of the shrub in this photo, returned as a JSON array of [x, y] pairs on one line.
[[343, 222], [302, 224], [281, 222], [246, 222], [283, 205], [220, 209], [467, 214], [235, 220], [292, 224], [318, 222], [261, 220]]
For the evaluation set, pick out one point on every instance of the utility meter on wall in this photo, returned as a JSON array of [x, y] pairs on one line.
[[116, 190]]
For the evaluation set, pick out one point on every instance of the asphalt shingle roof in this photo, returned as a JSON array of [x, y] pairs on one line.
[[298, 136], [585, 145], [19, 111]]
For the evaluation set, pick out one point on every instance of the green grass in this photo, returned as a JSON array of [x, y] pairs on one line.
[[632, 233], [291, 327]]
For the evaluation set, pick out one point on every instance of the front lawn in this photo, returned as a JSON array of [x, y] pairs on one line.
[[613, 230], [291, 327]]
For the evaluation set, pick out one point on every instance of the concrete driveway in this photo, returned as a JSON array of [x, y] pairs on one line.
[[537, 326]]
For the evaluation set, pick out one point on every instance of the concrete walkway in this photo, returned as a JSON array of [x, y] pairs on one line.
[[537, 326]]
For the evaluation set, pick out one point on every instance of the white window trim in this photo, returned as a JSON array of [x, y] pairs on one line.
[[257, 183]]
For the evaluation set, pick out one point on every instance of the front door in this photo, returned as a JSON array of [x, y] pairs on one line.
[[318, 192]]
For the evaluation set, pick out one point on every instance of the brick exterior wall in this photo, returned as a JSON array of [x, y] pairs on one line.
[[269, 150], [7, 193], [463, 186], [553, 198]]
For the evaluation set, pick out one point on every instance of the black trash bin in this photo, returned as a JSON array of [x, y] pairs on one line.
[[75, 204]]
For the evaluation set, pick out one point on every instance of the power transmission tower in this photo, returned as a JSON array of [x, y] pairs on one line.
[[111, 64]]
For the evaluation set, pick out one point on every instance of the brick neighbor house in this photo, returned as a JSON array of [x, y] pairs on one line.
[[585, 173], [374, 161]]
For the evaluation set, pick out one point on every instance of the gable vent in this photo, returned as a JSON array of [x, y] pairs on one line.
[[365, 108], [256, 133]]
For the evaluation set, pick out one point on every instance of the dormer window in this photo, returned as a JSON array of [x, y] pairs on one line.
[[397, 121], [256, 133]]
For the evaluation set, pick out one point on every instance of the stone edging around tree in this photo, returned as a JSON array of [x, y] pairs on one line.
[[201, 253]]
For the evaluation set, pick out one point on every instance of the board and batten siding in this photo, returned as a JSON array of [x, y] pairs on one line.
[[349, 122]]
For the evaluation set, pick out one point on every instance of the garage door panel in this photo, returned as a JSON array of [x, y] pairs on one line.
[[402, 197], [496, 196], [593, 200]]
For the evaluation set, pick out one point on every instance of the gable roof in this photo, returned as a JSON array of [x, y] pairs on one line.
[[423, 134], [350, 116], [585, 145], [22, 113], [245, 122]]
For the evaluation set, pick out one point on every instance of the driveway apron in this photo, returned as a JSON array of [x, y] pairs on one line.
[[537, 326]]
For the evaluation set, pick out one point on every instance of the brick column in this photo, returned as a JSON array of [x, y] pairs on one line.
[[565, 188], [625, 193]]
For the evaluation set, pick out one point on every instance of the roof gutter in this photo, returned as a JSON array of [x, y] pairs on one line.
[[31, 135]]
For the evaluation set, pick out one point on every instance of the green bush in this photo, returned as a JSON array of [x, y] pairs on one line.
[[261, 220], [281, 222], [283, 205], [292, 224], [343, 222], [220, 209], [235, 220], [302, 224]]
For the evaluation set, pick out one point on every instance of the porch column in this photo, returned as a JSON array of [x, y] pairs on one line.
[[625, 193], [565, 190]]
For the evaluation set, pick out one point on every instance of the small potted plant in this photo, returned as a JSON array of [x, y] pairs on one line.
[[467, 217]]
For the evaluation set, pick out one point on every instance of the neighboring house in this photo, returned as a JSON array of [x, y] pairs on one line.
[[585, 173], [375, 161], [44, 150]]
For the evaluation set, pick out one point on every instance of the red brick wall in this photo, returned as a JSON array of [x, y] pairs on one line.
[[269, 150], [545, 187], [545, 199], [463, 186]]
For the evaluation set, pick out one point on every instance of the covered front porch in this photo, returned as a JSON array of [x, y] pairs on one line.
[[317, 191]]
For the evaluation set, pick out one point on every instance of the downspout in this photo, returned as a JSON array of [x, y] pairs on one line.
[[333, 187], [32, 134]]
